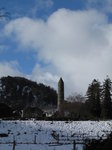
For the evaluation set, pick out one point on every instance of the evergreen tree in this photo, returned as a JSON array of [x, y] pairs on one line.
[[106, 99], [93, 98]]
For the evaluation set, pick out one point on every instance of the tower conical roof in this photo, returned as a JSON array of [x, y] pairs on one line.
[[61, 80]]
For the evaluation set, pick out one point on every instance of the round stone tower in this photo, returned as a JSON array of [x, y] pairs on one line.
[[60, 96]]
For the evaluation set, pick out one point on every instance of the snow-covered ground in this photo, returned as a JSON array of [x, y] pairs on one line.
[[50, 135]]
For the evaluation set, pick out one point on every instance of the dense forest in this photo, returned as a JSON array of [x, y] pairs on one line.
[[96, 104], [18, 93]]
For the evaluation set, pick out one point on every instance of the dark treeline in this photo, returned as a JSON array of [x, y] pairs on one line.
[[17, 94], [97, 104]]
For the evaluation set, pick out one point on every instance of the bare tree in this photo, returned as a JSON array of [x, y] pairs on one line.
[[75, 97]]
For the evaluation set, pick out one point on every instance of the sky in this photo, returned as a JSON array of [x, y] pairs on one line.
[[44, 40]]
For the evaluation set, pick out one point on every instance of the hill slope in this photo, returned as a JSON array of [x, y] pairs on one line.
[[19, 93]]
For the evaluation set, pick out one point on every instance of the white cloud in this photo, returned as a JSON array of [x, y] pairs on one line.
[[102, 5], [43, 5], [38, 74], [77, 44], [42, 76], [9, 69]]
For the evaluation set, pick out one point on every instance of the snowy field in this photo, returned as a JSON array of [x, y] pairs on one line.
[[50, 135]]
